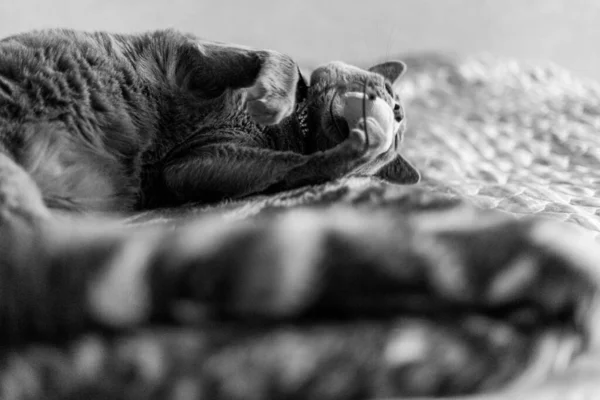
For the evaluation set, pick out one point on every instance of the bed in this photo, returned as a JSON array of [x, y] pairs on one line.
[[481, 280]]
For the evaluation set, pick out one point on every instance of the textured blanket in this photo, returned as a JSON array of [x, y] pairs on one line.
[[467, 283]]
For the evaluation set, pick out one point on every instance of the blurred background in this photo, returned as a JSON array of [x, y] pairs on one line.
[[566, 32]]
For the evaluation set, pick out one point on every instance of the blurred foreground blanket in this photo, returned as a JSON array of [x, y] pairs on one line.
[[467, 283]]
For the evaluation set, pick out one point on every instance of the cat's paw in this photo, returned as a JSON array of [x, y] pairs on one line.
[[272, 97], [368, 139]]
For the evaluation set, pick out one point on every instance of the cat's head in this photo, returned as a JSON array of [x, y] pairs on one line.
[[330, 118]]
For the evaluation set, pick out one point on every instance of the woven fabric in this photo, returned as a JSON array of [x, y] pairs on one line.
[[521, 138]]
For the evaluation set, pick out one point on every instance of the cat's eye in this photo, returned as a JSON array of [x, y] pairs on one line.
[[398, 112]]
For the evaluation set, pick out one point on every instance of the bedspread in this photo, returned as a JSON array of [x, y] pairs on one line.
[[481, 280]]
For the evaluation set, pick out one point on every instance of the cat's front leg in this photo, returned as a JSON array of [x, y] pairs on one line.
[[366, 151], [272, 97], [362, 153]]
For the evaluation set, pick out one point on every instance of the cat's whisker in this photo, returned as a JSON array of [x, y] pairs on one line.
[[364, 110]]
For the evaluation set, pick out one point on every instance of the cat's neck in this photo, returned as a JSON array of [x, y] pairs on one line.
[[301, 111], [302, 117], [293, 133]]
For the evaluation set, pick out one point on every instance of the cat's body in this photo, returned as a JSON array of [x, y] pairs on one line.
[[104, 122]]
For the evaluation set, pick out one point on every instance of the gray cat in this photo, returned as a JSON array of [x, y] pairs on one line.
[[105, 122]]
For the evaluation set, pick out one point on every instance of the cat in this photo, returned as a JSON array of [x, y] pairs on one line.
[[113, 123]]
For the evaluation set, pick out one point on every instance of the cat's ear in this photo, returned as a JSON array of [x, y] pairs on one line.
[[399, 170], [391, 70]]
